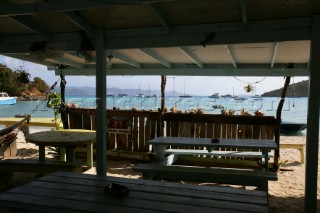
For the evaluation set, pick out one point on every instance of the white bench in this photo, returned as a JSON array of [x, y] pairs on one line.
[[218, 153]]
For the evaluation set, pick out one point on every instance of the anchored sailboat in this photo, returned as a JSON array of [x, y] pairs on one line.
[[184, 92]]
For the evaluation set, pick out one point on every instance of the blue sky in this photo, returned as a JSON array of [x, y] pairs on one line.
[[191, 85]]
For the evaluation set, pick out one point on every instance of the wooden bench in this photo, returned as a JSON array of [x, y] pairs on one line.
[[238, 154], [236, 176], [36, 166]]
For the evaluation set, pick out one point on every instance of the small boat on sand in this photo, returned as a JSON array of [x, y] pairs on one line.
[[292, 127], [5, 99]]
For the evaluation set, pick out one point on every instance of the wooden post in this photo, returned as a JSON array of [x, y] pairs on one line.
[[312, 144], [278, 120], [101, 72], [163, 97]]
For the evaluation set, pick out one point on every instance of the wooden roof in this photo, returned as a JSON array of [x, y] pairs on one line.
[[153, 37]]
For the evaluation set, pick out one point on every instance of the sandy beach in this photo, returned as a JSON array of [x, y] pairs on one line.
[[285, 195]]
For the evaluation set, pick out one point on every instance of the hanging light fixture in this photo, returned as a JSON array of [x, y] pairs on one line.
[[109, 60]]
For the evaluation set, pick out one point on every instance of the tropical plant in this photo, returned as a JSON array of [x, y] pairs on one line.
[[54, 102], [23, 78]]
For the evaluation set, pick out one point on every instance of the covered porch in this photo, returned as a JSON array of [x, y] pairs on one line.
[[206, 38]]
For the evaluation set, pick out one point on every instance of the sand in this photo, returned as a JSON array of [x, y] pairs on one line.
[[285, 195]]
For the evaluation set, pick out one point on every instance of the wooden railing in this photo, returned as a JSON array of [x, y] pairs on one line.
[[130, 130]]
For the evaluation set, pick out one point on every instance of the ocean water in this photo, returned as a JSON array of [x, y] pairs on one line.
[[294, 109]]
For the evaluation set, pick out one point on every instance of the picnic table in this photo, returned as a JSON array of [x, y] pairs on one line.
[[71, 192], [264, 146], [169, 149]]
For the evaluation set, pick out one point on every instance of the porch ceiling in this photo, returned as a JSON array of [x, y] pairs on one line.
[[154, 37]]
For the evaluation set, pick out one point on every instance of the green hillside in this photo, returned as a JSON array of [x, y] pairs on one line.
[[299, 89]]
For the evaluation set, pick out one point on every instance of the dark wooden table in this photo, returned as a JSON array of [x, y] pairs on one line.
[[70, 192], [160, 144]]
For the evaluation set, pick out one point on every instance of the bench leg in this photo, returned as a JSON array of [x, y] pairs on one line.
[[302, 154], [264, 186], [89, 155], [42, 153], [63, 154], [148, 175], [70, 154]]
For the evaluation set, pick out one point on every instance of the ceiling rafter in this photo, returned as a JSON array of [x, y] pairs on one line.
[[81, 23], [70, 62], [53, 6], [161, 17], [27, 23], [230, 53], [125, 59], [49, 7], [274, 54], [191, 56], [155, 57], [244, 13], [25, 58]]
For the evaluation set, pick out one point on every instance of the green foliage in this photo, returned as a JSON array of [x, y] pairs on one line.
[[22, 77], [5, 75], [15, 83], [54, 102], [40, 84]]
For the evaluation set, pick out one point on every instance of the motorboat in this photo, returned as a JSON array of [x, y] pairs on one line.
[[185, 96], [240, 98], [215, 95], [110, 94], [122, 95], [257, 97], [5, 99], [140, 95]]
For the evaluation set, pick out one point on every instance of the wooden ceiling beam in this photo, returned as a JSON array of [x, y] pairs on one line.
[[151, 54], [191, 56], [230, 55], [83, 24], [32, 26], [161, 17], [274, 54], [125, 59], [275, 72]]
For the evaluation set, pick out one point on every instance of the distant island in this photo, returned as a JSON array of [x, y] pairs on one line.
[[299, 89]]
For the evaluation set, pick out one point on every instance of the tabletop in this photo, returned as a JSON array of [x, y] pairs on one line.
[[222, 142], [71, 192], [66, 137]]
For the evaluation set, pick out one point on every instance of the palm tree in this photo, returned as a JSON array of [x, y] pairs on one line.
[[23, 78]]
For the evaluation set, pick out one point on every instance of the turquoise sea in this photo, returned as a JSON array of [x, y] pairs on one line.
[[294, 109]]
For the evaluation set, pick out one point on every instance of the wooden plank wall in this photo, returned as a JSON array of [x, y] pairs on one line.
[[145, 125]]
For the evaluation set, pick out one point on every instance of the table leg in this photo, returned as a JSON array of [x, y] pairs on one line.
[[70, 154], [90, 155], [266, 160], [63, 154], [160, 151], [42, 153]]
